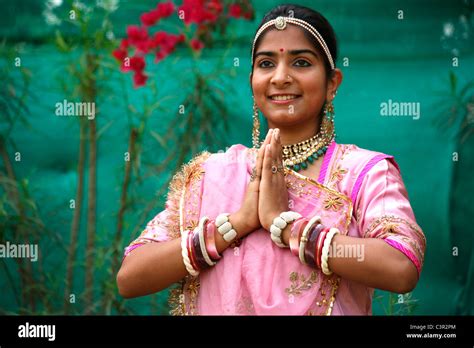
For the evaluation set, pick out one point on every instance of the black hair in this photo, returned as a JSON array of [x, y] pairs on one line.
[[316, 19]]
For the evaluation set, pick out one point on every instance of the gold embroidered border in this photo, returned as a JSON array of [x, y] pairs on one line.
[[335, 197], [177, 191], [330, 192], [391, 219]]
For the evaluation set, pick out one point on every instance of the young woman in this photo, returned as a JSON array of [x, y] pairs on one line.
[[297, 225]]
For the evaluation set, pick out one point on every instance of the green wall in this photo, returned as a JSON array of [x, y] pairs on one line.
[[402, 60]]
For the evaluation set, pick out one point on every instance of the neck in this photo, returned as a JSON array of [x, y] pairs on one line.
[[297, 133]]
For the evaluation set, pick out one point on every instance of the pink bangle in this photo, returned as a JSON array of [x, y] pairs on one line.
[[319, 246], [191, 251], [209, 238], [295, 236]]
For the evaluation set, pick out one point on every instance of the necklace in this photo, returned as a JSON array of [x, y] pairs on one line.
[[300, 155]]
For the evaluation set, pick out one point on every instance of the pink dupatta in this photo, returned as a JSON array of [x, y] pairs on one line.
[[258, 278]]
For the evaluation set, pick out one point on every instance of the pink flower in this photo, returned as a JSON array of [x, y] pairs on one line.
[[196, 45]]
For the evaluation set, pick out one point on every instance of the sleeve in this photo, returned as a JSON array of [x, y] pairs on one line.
[[383, 211], [165, 226]]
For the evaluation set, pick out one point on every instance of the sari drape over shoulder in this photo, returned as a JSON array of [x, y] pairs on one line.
[[358, 191]]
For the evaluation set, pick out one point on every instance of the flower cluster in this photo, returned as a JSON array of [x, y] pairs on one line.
[[140, 42]]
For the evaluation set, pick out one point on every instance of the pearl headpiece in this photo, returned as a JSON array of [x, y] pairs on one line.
[[280, 24]]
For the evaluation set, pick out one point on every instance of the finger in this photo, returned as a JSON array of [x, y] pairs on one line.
[[275, 147], [260, 156], [279, 150], [267, 163]]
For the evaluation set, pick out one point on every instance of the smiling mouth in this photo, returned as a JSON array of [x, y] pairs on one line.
[[284, 97]]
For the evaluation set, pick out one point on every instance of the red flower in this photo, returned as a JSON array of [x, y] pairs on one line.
[[196, 45], [248, 15], [136, 34], [137, 63], [162, 10], [120, 54], [150, 18], [198, 11], [139, 79], [165, 9], [235, 10], [124, 44]]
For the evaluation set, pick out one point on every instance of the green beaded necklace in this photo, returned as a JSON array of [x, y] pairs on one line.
[[310, 160]]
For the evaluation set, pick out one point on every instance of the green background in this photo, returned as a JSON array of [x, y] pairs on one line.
[[403, 60]]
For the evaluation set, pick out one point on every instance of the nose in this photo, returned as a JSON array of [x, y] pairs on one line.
[[280, 76]]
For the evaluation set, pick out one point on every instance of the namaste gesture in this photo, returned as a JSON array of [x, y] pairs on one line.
[[267, 194]]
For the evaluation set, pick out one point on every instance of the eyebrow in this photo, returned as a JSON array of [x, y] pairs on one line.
[[292, 52]]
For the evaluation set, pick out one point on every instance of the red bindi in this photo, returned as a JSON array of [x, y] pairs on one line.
[[282, 49]]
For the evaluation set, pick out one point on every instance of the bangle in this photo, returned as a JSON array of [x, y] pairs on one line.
[[210, 241], [185, 253], [304, 237], [279, 224], [319, 246], [202, 243], [193, 252], [296, 231], [309, 251], [325, 252], [225, 227]]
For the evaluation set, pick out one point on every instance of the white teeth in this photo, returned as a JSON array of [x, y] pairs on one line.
[[283, 97]]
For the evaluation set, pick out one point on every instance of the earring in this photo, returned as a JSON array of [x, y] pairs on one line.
[[327, 124], [256, 127]]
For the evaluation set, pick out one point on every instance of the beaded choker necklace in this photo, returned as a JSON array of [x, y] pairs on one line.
[[300, 155]]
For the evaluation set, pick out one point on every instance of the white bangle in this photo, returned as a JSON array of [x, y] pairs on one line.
[[325, 252], [279, 224], [304, 237], [184, 253], [224, 227], [202, 242]]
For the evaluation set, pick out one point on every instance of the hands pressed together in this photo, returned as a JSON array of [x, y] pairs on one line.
[[267, 194]]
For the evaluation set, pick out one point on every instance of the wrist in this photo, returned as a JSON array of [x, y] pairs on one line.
[[238, 223]]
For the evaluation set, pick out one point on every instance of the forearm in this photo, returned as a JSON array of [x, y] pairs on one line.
[[155, 266], [370, 261]]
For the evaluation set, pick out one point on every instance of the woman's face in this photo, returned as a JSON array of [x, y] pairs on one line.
[[289, 78]]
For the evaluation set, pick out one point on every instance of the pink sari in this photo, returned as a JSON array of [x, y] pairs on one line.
[[358, 191]]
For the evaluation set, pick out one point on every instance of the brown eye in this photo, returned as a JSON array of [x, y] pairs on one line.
[[304, 63], [265, 64]]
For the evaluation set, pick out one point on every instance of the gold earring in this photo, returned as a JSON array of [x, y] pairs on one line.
[[327, 124], [256, 127]]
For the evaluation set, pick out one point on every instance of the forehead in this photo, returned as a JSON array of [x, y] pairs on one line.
[[291, 37]]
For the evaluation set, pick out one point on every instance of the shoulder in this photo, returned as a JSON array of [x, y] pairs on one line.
[[199, 163], [358, 159]]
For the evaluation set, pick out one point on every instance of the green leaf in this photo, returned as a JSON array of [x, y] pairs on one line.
[[62, 45], [453, 81]]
